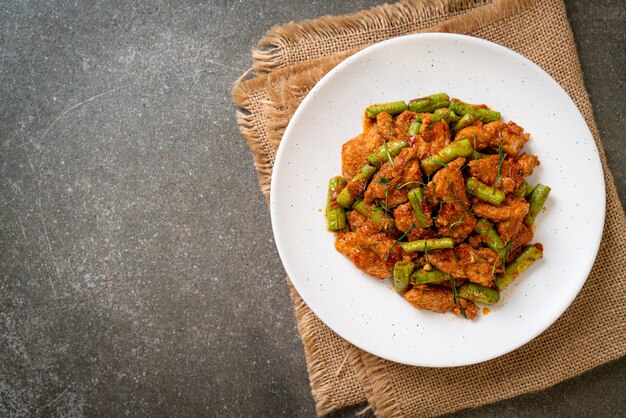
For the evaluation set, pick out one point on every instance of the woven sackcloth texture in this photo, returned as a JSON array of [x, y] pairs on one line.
[[289, 61]]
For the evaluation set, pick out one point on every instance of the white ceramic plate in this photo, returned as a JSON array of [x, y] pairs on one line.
[[366, 311]]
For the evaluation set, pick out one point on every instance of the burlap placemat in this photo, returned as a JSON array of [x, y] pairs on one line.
[[288, 63]]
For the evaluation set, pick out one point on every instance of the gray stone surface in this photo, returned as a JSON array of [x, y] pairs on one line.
[[138, 275]]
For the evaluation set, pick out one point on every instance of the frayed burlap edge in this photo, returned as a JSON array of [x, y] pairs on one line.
[[320, 378], [314, 363], [263, 137], [270, 55]]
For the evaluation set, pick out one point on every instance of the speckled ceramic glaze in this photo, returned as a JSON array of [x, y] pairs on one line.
[[366, 311]]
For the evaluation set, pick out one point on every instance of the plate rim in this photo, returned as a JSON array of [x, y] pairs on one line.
[[329, 75]]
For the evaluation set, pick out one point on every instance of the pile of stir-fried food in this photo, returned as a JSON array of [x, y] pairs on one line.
[[433, 194]]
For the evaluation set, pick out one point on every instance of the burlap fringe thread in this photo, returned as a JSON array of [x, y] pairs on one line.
[[270, 55]]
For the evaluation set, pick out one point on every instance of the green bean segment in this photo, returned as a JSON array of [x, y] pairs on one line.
[[481, 114], [479, 294], [536, 201], [335, 214], [488, 234], [429, 103], [416, 198], [523, 190], [414, 128], [379, 157], [424, 277], [427, 244], [401, 273], [484, 192], [517, 267], [346, 199], [456, 149], [446, 114], [378, 215], [393, 108], [467, 120]]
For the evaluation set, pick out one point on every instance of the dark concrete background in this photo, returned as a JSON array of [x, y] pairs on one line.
[[138, 271]]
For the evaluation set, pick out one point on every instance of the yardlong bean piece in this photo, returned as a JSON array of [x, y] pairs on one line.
[[393, 108], [479, 294], [379, 156], [429, 103], [378, 215], [483, 115], [401, 273], [488, 233], [467, 120], [427, 244], [414, 128], [456, 149], [536, 200], [345, 198], [417, 198], [447, 114], [518, 266], [434, 276], [523, 190], [484, 192], [335, 214]]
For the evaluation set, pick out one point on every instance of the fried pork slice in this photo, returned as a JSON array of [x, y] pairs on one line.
[[522, 237], [386, 183], [405, 217], [513, 170], [386, 126], [357, 221], [446, 261], [403, 121], [479, 265], [491, 135], [510, 208], [354, 152], [509, 215], [435, 134], [438, 299], [362, 250], [508, 229], [454, 219]]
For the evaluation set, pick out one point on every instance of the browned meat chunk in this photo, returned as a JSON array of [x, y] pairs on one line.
[[363, 258], [512, 171], [523, 236], [454, 219], [405, 217], [511, 208], [509, 215], [386, 183], [385, 125], [358, 221], [480, 265], [475, 240], [404, 120], [367, 251], [435, 134], [508, 229], [439, 299], [446, 261], [490, 136], [354, 152]]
